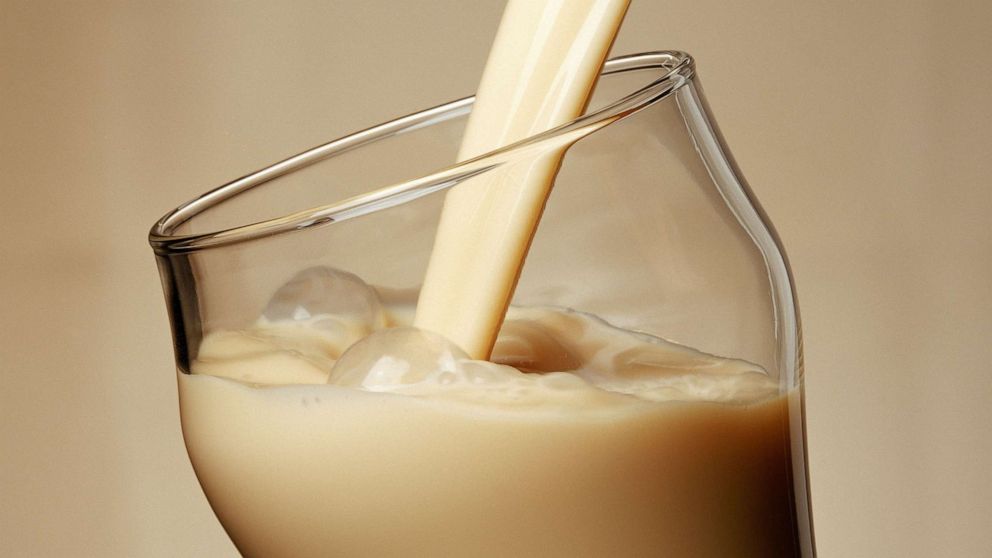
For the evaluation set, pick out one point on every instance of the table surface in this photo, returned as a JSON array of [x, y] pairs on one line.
[[864, 129]]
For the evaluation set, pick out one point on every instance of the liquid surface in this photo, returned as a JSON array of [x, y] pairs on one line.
[[540, 73], [543, 356]]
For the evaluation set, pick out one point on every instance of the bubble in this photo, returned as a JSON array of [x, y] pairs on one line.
[[396, 357], [330, 300]]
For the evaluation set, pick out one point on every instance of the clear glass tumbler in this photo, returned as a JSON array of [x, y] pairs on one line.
[[650, 228]]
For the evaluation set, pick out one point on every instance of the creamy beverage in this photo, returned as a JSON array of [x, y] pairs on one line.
[[540, 73], [595, 442]]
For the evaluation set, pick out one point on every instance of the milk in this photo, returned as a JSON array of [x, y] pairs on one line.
[[541, 70], [643, 448]]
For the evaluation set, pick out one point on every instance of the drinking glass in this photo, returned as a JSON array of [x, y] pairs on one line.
[[650, 227]]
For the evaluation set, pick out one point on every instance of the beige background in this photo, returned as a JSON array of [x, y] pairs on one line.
[[864, 127]]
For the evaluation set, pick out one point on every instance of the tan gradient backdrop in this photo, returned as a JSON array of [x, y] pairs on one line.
[[864, 127]]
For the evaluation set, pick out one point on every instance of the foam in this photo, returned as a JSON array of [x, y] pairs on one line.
[[542, 355]]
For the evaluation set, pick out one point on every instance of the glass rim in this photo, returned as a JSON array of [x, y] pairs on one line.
[[679, 66]]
